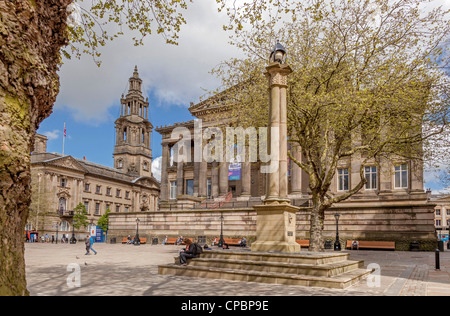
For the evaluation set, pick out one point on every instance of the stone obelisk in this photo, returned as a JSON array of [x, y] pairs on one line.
[[276, 219]]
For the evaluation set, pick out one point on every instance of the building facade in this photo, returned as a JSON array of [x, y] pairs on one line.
[[60, 183]]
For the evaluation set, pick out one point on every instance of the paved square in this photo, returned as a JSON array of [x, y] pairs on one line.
[[133, 270]]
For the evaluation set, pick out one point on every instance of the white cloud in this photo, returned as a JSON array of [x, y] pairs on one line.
[[156, 168], [174, 74], [52, 135]]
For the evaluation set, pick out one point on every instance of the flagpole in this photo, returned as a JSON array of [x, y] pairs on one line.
[[64, 137]]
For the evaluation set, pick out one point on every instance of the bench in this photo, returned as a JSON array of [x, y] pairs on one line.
[[384, 245], [142, 240], [232, 241], [303, 243], [172, 241]]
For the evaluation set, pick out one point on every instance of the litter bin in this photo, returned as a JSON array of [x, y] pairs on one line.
[[328, 244], [112, 240], [414, 246], [155, 241], [201, 240]]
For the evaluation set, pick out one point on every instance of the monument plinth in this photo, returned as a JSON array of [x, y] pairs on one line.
[[276, 219]]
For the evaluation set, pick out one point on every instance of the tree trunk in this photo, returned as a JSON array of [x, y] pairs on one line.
[[32, 33], [316, 243]]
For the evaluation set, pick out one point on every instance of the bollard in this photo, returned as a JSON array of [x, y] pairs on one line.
[[438, 263]]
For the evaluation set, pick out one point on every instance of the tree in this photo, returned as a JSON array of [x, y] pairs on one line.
[[367, 84], [32, 35], [80, 217], [103, 221]]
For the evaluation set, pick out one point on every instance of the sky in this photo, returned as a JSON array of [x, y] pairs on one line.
[[173, 77]]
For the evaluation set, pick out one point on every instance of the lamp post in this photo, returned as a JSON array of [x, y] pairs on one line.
[[221, 240], [337, 243], [137, 241]]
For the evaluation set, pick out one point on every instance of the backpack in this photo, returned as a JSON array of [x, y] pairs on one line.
[[197, 249]]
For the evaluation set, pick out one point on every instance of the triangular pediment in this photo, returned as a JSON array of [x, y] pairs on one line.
[[149, 182], [67, 162]]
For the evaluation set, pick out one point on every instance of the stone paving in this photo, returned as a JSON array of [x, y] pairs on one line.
[[56, 270]]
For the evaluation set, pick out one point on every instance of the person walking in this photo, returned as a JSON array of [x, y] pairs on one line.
[[88, 244], [92, 242]]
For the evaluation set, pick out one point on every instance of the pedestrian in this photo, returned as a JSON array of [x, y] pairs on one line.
[[53, 238], [92, 242], [193, 250], [88, 244]]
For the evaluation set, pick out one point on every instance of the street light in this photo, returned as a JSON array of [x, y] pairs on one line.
[[221, 240], [337, 243], [137, 241], [278, 54]]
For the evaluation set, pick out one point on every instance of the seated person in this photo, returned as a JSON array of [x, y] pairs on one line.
[[355, 245], [243, 242]]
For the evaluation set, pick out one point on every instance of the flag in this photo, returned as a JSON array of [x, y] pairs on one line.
[[64, 129]]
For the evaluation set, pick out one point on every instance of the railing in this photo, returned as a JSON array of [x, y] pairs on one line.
[[211, 205], [65, 213]]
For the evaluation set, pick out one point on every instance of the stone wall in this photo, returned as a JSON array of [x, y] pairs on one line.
[[401, 224]]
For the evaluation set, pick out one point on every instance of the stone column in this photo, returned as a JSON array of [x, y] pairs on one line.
[[276, 219], [180, 178], [164, 174], [296, 176], [196, 178], [203, 178], [246, 179], [223, 178], [215, 179]]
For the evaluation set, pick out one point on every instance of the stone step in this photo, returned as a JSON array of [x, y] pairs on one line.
[[327, 270], [341, 281], [311, 258]]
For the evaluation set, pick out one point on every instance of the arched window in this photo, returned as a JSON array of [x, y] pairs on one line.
[[125, 134], [64, 227]]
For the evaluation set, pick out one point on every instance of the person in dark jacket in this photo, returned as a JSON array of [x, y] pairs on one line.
[[189, 252], [88, 244]]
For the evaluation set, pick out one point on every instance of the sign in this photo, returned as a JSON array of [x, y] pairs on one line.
[[234, 171]]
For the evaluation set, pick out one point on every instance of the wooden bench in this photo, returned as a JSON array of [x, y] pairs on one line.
[[172, 241], [142, 240], [384, 245], [232, 241], [303, 243]]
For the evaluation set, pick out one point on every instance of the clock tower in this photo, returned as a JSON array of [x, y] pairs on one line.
[[132, 152]]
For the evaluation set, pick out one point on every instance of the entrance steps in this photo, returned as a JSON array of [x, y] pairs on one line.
[[329, 270]]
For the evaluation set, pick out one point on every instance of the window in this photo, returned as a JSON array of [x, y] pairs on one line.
[[107, 207], [62, 205], [117, 208], [371, 177], [438, 212], [173, 190], [117, 193], [120, 164], [86, 206], [126, 209], [63, 182], [190, 187], [108, 191], [87, 187], [97, 208], [145, 166], [343, 178], [127, 194], [438, 223], [208, 187], [98, 189], [401, 176], [64, 227]]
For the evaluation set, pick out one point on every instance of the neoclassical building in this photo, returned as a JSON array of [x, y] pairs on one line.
[[60, 183]]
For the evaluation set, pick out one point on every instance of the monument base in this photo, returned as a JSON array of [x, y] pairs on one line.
[[275, 228]]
